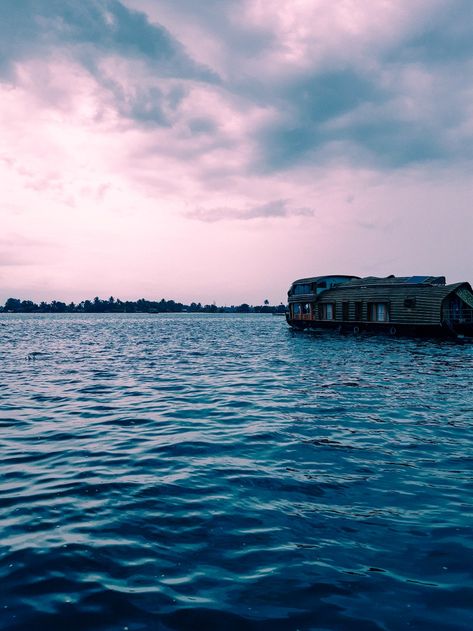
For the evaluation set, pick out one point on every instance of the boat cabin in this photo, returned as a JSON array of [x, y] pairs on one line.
[[413, 304]]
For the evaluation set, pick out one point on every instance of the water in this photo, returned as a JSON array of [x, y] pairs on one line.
[[217, 472]]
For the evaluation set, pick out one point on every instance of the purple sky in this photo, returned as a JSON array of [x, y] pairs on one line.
[[217, 150]]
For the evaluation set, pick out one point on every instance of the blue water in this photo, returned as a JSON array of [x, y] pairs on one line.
[[218, 472]]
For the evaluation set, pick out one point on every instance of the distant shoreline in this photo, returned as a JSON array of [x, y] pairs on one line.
[[115, 305]]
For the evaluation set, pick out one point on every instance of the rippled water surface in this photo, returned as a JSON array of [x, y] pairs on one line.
[[217, 472]]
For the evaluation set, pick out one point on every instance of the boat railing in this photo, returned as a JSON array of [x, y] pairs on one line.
[[452, 316]]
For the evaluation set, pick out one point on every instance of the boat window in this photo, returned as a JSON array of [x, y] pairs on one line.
[[345, 310], [327, 311], [378, 312], [297, 309], [358, 310], [302, 289]]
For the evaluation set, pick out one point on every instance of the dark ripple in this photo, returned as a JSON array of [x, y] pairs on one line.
[[220, 472]]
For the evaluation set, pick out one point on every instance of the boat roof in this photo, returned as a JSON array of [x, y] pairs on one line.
[[440, 291], [356, 281], [396, 280], [316, 279]]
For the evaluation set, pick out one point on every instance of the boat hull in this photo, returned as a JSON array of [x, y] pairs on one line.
[[392, 329]]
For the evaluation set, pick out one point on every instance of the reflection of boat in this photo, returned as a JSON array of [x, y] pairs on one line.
[[419, 305]]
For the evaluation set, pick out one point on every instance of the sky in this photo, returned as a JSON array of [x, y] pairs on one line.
[[218, 150]]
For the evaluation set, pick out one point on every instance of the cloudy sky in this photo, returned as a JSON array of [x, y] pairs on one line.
[[217, 150]]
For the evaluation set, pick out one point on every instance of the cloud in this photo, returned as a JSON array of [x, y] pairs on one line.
[[90, 29], [274, 209], [386, 87], [18, 250], [444, 39], [130, 58], [217, 127]]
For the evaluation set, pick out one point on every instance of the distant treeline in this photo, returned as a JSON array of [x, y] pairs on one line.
[[115, 305]]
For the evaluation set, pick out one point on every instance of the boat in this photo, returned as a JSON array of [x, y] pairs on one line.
[[413, 305]]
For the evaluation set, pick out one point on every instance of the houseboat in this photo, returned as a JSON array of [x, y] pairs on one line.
[[415, 305]]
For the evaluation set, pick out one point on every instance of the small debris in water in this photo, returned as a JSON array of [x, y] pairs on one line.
[[35, 354]]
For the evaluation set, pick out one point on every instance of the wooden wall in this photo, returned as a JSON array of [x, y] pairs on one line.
[[427, 310]]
